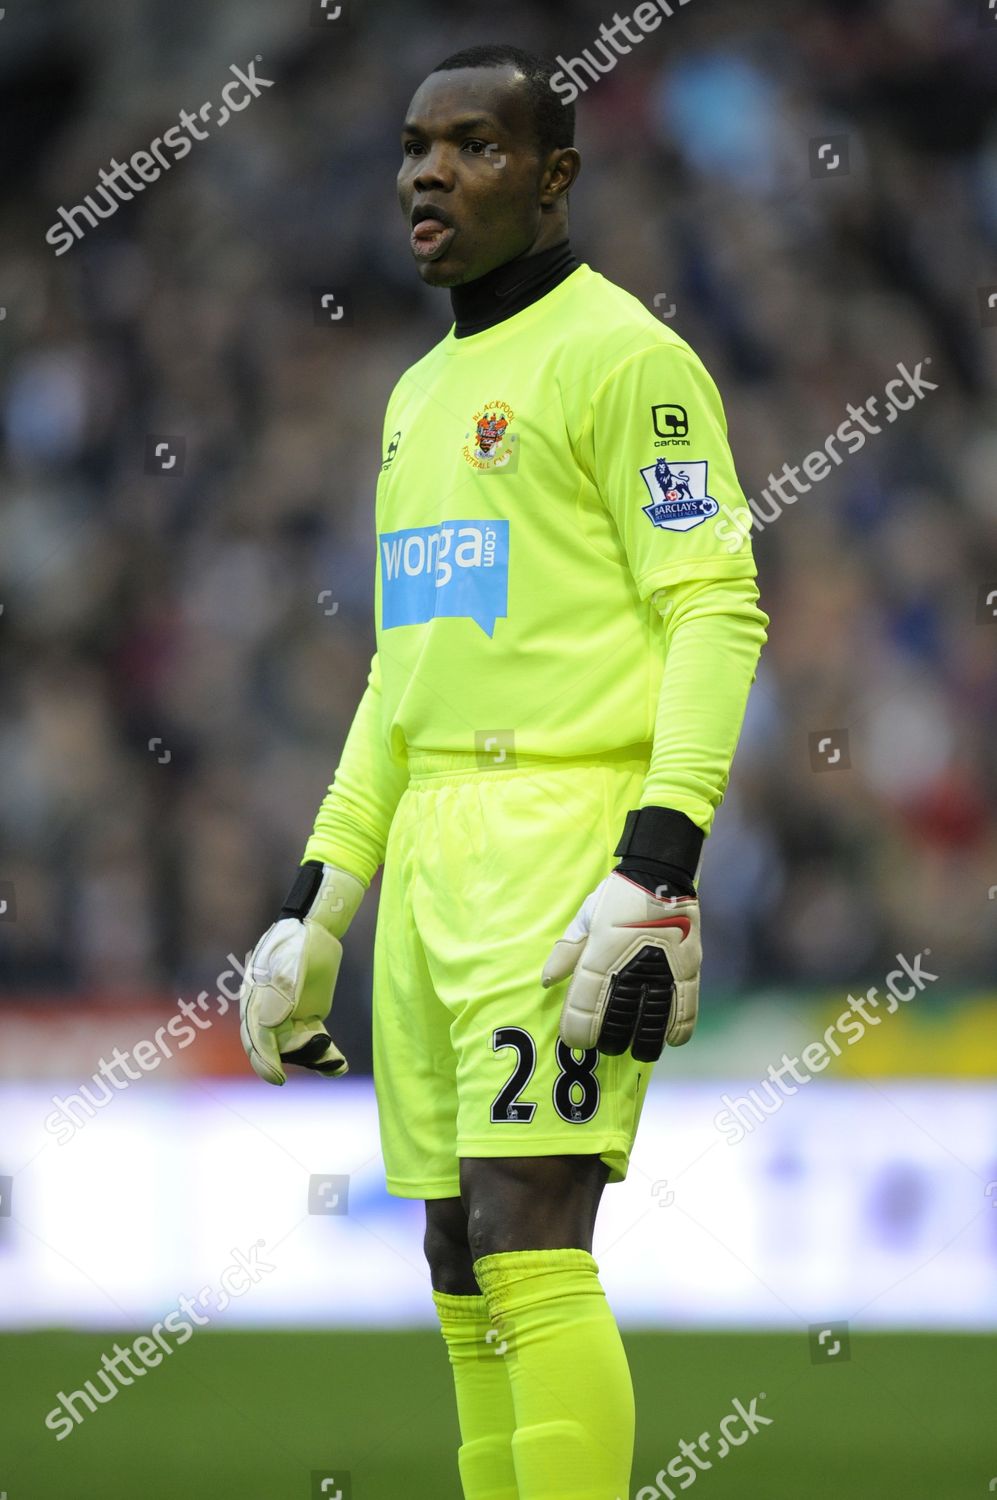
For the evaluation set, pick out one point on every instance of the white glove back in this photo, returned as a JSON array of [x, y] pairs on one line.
[[634, 959], [290, 977]]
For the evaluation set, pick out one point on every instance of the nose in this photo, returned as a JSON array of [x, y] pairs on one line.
[[435, 171]]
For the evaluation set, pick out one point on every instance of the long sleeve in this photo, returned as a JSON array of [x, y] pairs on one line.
[[351, 828], [714, 632]]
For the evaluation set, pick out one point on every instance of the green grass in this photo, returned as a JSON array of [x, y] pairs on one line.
[[250, 1416]]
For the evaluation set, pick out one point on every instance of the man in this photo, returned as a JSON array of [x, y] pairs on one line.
[[564, 652]]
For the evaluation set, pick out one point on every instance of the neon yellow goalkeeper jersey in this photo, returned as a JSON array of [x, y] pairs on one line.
[[541, 480]]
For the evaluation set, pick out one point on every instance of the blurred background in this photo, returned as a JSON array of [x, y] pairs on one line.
[[184, 640]]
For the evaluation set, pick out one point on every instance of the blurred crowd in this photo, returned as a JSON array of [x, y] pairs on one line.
[[182, 651]]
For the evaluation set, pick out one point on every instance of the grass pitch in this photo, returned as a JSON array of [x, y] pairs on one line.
[[268, 1416]]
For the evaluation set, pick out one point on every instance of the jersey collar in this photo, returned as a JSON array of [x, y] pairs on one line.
[[479, 305]]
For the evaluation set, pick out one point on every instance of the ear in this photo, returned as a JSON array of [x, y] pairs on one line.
[[560, 172]]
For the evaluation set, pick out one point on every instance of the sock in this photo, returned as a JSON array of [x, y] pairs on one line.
[[571, 1385], [484, 1400]]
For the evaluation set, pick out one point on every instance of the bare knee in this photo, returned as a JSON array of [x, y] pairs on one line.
[[531, 1203], [446, 1248]]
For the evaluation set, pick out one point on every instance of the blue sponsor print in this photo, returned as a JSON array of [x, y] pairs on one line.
[[456, 570]]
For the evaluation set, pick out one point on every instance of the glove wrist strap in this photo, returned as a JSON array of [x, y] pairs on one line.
[[299, 899], [660, 840], [327, 895], [658, 879]]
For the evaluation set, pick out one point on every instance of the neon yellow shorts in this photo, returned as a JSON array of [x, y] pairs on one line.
[[483, 871]]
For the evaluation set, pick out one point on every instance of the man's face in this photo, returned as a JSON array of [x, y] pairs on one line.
[[472, 180]]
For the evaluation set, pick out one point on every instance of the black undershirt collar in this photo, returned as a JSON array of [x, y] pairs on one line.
[[499, 294]]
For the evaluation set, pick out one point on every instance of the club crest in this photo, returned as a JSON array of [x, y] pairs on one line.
[[489, 445]]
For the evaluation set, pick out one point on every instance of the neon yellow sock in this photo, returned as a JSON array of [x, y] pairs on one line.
[[484, 1399], [571, 1385]]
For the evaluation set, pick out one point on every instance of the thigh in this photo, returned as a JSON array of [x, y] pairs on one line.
[[447, 1249], [531, 1203]]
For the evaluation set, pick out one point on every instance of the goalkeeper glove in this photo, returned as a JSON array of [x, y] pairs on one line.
[[633, 949], [290, 976]]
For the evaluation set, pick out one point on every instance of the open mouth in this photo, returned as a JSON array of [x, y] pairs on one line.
[[431, 237]]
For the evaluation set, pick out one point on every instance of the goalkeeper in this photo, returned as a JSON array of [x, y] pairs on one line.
[[566, 635]]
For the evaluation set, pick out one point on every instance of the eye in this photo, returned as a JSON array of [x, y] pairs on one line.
[[476, 148], [412, 148]]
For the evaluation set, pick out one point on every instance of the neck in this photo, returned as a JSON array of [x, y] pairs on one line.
[[499, 294]]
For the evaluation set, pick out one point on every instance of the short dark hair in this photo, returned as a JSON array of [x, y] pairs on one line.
[[553, 120]]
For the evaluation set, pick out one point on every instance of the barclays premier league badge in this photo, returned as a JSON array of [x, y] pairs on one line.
[[678, 495]]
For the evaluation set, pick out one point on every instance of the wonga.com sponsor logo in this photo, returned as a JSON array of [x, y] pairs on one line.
[[457, 570]]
